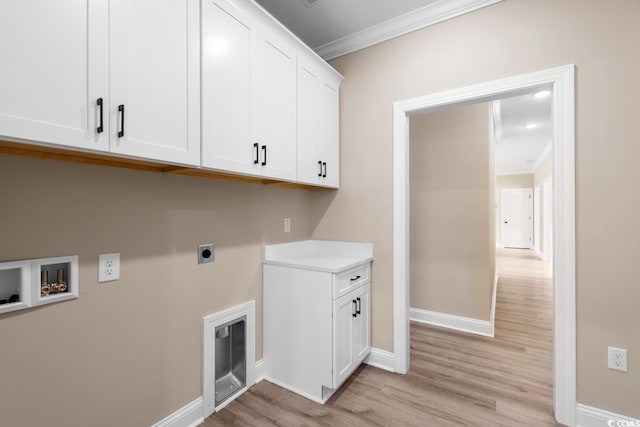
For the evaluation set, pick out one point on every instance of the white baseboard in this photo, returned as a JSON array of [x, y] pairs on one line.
[[451, 321], [189, 415], [588, 416], [381, 359]]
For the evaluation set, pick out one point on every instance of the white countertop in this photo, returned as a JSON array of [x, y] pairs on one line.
[[318, 255]]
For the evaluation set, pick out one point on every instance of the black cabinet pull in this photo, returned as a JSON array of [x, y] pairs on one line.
[[256, 160], [320, 167], [359, 306], [121, 110], [100, 127], [324, 174], [264, 153], [353, 279], [355, 309]]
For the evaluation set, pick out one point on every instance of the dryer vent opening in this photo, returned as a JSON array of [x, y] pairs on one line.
[[230, 359]]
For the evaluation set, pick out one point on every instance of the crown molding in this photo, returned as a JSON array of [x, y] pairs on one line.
[[398, 26]]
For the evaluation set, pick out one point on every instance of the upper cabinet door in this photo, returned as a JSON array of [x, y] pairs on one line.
[[310, 168], [277, 106], [54, 69], [318, 97], [155, 90], [329, 132], [229, 101]]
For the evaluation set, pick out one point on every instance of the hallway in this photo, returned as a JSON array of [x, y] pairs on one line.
[[455, 378]]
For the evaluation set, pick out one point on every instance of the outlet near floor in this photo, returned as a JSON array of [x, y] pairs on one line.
[[618, 359], [108, 267]]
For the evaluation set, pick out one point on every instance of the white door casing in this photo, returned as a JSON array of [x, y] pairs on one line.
[[547, 218], [516, 218], [536, 218], [562, 80]]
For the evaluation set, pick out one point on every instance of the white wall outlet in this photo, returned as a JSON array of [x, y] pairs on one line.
[[618, 359], [108, 267], [287, 225]]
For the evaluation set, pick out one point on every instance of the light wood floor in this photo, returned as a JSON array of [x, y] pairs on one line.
[[455, 378]]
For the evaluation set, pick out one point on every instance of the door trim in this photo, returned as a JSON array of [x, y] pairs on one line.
[[564, 262]]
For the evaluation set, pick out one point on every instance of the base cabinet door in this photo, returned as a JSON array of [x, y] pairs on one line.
[[155, 79], [54, 70], [229, 88], [344, 311], [362, 324]]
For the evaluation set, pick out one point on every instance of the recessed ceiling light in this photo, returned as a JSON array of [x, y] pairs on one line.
[[542, 94], [310, 3], [530, 126]]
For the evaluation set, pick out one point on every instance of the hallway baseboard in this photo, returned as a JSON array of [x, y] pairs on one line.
[[459, 323], [588, 416], [451, 321]]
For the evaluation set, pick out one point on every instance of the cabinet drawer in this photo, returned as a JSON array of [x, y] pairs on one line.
[[345, 282]]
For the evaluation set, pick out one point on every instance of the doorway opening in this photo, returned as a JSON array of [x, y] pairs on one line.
[[561, 82]]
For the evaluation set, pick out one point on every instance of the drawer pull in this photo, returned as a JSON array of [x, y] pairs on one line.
[[355, 309], [359, 306], [353, 279]]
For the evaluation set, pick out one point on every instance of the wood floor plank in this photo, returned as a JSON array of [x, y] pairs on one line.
[[456, 379]]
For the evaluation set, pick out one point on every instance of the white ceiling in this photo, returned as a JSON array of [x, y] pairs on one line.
[[518, 149], [329, 20]]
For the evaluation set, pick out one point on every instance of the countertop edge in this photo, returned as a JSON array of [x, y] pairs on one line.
[[317, 268]]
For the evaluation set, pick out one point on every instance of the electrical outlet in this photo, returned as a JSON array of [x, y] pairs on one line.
[[206, 253], [108, 267], [287, 225], [618, 359]]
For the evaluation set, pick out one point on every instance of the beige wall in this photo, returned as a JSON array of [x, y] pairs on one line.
[[509, 38], [452, 244], [127, 353], [506, 182], [543, 172]]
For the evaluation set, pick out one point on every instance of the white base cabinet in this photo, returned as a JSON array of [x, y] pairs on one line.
[[316, 325]]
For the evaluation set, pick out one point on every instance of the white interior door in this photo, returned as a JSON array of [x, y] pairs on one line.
[[517, 218]]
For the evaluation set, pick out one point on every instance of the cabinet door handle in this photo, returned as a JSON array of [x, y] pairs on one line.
[[324, 174], [359, 306], [256, 160], [121, 110], [320, 167], [353, 279], [100, 127], [264, 153], [355, 309]]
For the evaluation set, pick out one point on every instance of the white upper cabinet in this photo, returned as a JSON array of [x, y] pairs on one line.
[[318, 138], [277, 106], [154, 77], [229, 83], [54, 69]]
